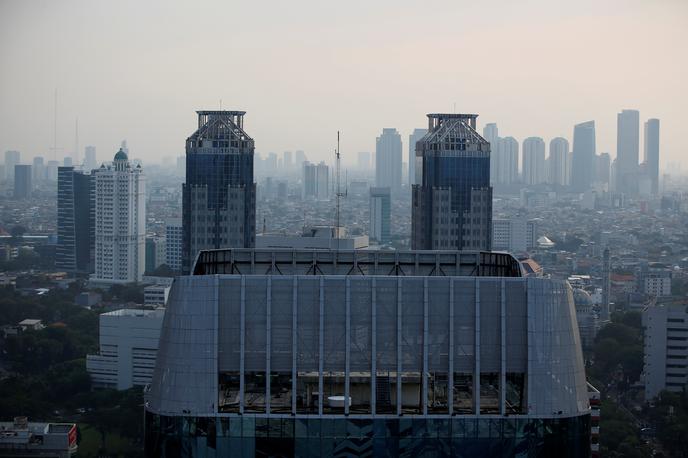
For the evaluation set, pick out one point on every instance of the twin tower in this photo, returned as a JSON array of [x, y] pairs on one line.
[[452, 207]]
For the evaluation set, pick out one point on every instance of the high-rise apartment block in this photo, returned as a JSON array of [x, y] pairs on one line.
[[380, 214], [316, 181], [583, 159], [388, 160], [559, 170], [651, 151], [452, 206], [23, 186], [534, 170], [76, 229], [120, 221], [627, 151], [219, 196]]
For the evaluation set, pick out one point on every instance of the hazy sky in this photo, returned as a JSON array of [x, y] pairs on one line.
[[304, 69]]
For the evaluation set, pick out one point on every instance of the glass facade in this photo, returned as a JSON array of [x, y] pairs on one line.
[[250, 436]]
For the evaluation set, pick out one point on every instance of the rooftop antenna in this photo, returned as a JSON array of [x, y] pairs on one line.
[[76, 143], [339, 194]]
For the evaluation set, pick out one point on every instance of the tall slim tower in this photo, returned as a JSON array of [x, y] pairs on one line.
[[559, 161], [219, 196], [413, 138], [491, 134], [583, 159], [506, 161], [90, 159], [380, 212], [452, 206], [388, 160], [627, 146], [534, 161], [652, 152], [120, 221], [76, 231]]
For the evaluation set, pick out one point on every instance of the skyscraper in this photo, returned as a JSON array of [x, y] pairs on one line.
[[506, 161], [219, 196], [22, 181], [627, 146], [38, 170], [602, 168], [12, 158], [388, 160], [120, 221], [583, 160], [651, 152], [559, 173], [287, 160], [90, 159], [380, 215], [299, 158], [491, 134], [75, 251], [534, 171], [452, 206], [413, 138], [316, 181], [363, 161]]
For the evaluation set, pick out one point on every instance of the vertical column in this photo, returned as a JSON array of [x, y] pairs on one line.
[[530, 323], [476, 374], [242, 342], [348, 346], [268, 305], [294, 317], [450, 388], [502, 340], [373, 347], [321, 341], [216, 380], [399, 392], [424, 374]]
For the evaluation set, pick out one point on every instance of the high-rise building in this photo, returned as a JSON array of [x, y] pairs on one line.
[[452, 206], [534, 171], [287, 160], [388, 160], [506, 161], [219, 196], [316, 181], [380, 215], [23, 187], [627, 151], [76, 230], [156, 255], [651, 152], [174, 235], [67, 161], [514, 234], [12, 158], [363, 353], [363, 161], [491, 134], [120, 221], [90, 158], [559, 173], [51, 170], [583, 158], [602, 168], [299, 158], [38, 170], [413, 138]]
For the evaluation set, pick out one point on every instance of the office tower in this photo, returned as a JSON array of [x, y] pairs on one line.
[[76, 230], [12, 158], [22, 181], [534, 161], [506, 161], [120, 221], [651, 152], [316, 181], [287, 160], [388, 160], [155, 253], [220, 193], [90, 159], [356, 352], [665, 327], [516, 234], [627, 146], [452, 206], [602, 168], [559, 161], [299, 159], [363, 161], [491, 134], [51, 170], [413, 138], [583, 158], [38, 170], [67, 161], [174, 235], [380, 215]]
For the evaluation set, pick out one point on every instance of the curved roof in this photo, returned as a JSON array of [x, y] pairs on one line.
[[121, 155], [581, 298]]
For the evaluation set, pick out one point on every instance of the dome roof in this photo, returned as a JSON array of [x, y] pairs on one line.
[[121, 155], [581, 298]]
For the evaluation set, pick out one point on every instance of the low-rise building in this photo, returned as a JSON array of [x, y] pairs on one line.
[[31, 324], [20, 438], [156, 295]]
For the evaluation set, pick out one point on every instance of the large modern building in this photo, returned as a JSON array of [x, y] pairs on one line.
[[12, 158], [22, 439], [316, 181], [219, 196], [534, 169], [506, 161], [38, 174], [515, 235], [559, 167], [452, 206], [583, 158], [128, 348], [76, 228], [23, 186], [388, 160], [627, 151], [90, 158], [651, 152], [413, 138], [367, 353], [120, 222], [380, 215]]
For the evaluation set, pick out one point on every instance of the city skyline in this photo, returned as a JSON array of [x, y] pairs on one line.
[[144, 71]]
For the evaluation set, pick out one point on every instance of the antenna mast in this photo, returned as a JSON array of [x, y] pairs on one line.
[[339, 194]]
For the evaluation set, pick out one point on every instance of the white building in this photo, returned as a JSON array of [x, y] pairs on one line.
[[120, 222], [156, 295], [514, 234], [559, 170], [128, 348], [534, 171], [506, 160], [666, 348], [173, 239], [388, 159]]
